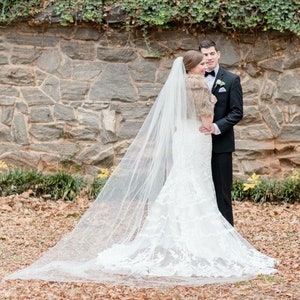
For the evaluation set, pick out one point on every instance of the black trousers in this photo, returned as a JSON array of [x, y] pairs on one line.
[[222, 177]]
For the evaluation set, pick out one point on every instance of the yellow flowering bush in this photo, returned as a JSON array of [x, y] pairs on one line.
[[3, 166], [265, 189], [99, 182], [104, 173], [295, 175], [252, 182], [62, 185]]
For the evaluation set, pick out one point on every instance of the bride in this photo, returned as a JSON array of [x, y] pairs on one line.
[[156, 221]]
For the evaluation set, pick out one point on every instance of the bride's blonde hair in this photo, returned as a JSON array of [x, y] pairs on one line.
[[191, 59]]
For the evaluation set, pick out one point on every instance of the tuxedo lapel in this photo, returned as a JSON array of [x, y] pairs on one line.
[[219, 76]]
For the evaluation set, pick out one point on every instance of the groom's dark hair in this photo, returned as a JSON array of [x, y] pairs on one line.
[[207, 44]]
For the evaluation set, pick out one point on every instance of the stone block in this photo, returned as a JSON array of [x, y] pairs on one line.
[[87, 34], [41, 114], [16, 76], [114, 84], [96, 154], [123, 55], [34, 96], [143, 70], [37, 40], [148, 91], [85, 134], [288, 90], [46, 132], [53, 62], [7, 101], [86, 70], [254, 145], [82, 50], [7, 114], [8, 90], [19, 130], [89, 119], [5, 135], [273, 64], [21, 159], [4, 59], [60, 147], [255, 132], [64, 113], [73, 90], [251, 116], [273, 118], [21, 56], [133, 111], [290, 133], [129, 129], [50, 87]]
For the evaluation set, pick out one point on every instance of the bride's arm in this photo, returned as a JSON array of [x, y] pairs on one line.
[[207, 115], [203, 100]]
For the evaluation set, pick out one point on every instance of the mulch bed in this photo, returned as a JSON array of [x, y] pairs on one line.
[[29, 226]]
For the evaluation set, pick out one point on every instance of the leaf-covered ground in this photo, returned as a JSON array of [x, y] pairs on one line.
[[29, 226]]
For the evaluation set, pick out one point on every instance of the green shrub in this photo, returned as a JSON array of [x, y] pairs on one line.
[[237, 192], [56, 186], [289, 189], [66, 186], [63, 186], [17, 181], [232, 15], [71, 11], [268, 190], [95, 187], [99, 181]]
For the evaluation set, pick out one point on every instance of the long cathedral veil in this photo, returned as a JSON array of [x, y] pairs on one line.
[[211, 253], [117, 214]]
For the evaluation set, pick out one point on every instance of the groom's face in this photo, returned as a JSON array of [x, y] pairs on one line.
[[212, 57]]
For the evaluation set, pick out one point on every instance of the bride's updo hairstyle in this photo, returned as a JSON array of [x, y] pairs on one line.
[[191, 59]]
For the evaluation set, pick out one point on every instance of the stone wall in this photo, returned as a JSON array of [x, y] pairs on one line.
[[76, 97]]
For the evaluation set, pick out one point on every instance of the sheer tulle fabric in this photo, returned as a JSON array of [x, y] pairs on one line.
[[156, 222]]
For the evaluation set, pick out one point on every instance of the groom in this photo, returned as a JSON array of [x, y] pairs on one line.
[[228, 111]]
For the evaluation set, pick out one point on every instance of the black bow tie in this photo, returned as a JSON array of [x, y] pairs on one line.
[[212, 73]]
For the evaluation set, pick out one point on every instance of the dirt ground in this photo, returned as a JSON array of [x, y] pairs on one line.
[[29, 226]]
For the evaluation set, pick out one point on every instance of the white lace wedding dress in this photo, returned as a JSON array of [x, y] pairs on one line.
[[184, 234]]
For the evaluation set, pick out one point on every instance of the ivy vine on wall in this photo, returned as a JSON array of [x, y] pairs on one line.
[[226, 15]]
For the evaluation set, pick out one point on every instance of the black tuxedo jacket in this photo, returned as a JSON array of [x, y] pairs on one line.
[[228, 109]]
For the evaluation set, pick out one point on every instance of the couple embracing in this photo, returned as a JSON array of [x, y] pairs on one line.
[[164, 217]]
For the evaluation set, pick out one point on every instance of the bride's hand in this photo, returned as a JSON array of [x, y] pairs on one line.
[[207, 125], [208, 129], [213, 99]]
